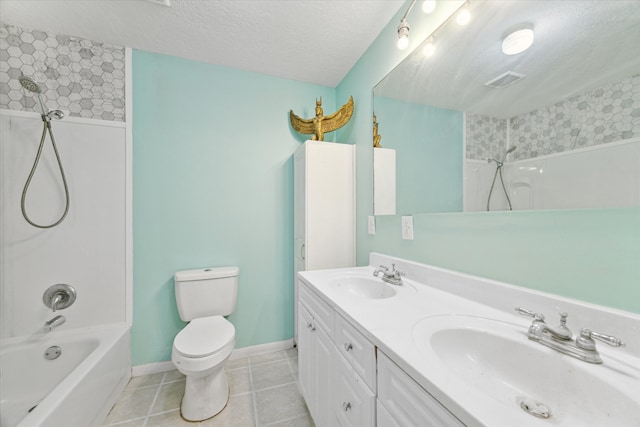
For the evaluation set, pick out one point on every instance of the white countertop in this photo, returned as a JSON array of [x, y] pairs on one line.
[[389, 324]]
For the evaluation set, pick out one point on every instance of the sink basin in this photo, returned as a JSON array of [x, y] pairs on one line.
[[482, 363], [365, 287]]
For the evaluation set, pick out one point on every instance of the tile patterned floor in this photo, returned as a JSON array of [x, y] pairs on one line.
[[263, 392]]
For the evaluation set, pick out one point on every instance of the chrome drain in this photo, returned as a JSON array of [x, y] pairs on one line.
[[52, 352], [533, 407]]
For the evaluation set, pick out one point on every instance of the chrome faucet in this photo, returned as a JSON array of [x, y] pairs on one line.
[[393, 278], [561, 339], [56, 321]]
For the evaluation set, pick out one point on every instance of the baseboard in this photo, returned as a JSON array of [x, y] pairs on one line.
[[261, 348], [152, 368], [157, 367]]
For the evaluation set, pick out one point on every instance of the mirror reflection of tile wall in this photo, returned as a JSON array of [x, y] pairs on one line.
[[600, 116], [84, 78]]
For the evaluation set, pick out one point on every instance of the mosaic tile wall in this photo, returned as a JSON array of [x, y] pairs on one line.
[[607, 114], [486, 137], [81, 77]]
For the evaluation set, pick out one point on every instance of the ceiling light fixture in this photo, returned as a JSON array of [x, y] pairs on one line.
[[464, 16], [428, 6], [517, 41], [403, 29]]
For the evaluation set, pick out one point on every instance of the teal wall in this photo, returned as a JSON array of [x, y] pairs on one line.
[[428, 143], [592, 255], [212, 183]]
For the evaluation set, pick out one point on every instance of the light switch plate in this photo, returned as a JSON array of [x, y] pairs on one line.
[[371, 224], [407, 227]]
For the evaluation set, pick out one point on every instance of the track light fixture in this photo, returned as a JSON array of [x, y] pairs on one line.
[[428, 6], [403, 29], [403, 35], [429, 48]]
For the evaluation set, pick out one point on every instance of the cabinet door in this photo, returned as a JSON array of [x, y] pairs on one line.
[[305, 355], [324, 351]]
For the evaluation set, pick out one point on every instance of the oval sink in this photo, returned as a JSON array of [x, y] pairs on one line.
[[367, 288], [492, 365]]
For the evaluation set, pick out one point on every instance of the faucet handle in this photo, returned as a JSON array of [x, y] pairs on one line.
[[529, 313], [384, 267], [396, 273], [585, 340]]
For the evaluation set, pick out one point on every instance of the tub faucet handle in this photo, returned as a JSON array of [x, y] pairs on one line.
[[59, 297]]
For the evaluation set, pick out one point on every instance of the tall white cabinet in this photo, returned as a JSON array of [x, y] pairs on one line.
[[324, 207]]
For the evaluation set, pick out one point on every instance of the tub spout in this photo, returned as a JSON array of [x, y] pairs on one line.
[[56, 321]]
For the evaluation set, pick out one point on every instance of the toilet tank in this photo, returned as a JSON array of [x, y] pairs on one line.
[[206, 292]]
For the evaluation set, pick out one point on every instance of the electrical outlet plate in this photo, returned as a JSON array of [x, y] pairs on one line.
[[371, 224], [407, 227]]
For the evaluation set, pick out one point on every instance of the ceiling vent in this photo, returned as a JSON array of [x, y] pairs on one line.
[[504, 80]]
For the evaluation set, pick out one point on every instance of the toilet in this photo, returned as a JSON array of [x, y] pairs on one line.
[[200, 349]]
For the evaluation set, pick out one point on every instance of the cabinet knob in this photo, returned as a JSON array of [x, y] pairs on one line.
[[346, 406], [310, 326], [348, 346]]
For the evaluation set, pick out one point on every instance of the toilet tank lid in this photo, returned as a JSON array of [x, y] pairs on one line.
[[206, 273]]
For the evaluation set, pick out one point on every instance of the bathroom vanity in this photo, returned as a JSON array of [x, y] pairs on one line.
[[448, 349]]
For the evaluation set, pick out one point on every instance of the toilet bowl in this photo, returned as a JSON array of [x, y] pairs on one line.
[[199, 352]]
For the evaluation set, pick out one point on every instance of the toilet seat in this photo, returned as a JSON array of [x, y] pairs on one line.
[[203, 337]]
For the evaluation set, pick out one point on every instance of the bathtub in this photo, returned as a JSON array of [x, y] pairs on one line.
[[77, 389]]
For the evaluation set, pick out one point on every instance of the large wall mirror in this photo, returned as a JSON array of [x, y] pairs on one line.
[[556, 126]]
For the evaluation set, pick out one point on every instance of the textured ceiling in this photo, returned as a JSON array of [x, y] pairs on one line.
[[307, 40]]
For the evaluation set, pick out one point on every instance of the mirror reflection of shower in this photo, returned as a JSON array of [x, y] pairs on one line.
[[499, 165], [47, 115]]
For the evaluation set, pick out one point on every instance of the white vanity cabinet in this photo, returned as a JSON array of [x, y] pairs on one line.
[[336, 365], [406, 402], [315, 356]]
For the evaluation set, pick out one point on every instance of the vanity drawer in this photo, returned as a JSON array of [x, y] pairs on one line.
[[354, 404], [406, 401], [356, 349], [320, 310]]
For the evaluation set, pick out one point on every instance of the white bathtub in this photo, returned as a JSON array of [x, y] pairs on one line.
[[75, 390]]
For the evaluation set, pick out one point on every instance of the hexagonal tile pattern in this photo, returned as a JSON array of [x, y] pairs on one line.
[[84, 77], [600, 116]]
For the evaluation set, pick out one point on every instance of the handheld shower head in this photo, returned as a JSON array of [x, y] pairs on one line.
[[29, 84], [511, 149], [32, 86]]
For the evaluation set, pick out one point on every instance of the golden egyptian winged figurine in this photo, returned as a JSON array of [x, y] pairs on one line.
[[321, 124], [376, 136]]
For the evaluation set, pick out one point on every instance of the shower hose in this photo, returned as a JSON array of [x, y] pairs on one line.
[[46, 126], [498, 170]]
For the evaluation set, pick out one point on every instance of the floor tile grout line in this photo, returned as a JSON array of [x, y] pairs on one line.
[[275, 423], [155, 398], [119, 423], [253, 394], [276, 386]]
